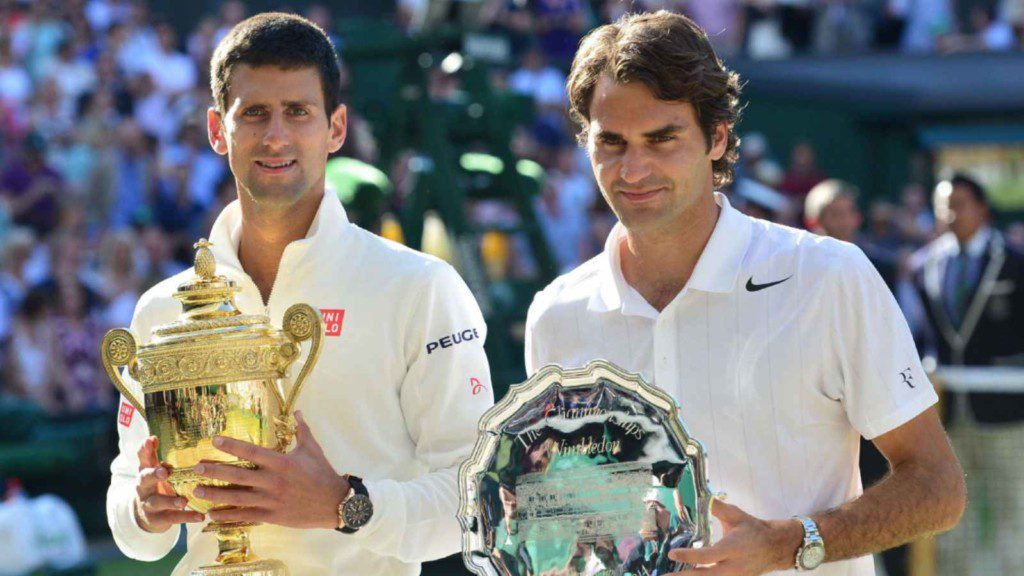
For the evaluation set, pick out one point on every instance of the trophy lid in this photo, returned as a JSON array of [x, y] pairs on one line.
[[208, 305]]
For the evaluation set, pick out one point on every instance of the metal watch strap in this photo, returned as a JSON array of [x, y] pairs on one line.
[[357, 487], [811, 537]]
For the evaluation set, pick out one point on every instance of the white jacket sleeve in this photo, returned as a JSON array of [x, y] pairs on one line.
[[132, 431], [446, 389]]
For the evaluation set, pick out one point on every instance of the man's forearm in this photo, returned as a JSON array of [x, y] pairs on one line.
[[914, 500]]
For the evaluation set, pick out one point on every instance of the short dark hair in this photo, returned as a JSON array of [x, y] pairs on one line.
[[972, 186], [276, 39], [672, 56]]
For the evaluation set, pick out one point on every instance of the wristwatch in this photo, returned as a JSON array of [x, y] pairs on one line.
[[355, 509], [812, 552]]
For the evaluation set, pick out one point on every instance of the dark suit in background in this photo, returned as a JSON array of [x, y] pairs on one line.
[[974, 302]]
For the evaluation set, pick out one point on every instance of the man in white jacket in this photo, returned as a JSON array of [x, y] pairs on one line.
[[402, 378]]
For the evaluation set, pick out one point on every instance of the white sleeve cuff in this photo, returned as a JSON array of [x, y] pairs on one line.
[[383, 533], [133, 541]]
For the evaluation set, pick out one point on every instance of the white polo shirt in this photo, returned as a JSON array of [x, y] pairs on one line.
[[395, 397], [781, 350]]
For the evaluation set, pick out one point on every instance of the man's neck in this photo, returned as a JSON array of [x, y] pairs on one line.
[[659, 264], [966, 240], [266, 232]]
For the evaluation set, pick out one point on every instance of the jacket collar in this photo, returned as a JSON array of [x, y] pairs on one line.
[[993, 253], [716, 271], [329, 223]]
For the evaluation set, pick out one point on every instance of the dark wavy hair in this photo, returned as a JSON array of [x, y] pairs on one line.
[[276, 39], [671, 55]]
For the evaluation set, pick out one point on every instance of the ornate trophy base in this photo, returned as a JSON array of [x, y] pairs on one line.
[[236, 558], [256, 568]]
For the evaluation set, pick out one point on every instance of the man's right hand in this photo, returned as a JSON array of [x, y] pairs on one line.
[[157, 507]]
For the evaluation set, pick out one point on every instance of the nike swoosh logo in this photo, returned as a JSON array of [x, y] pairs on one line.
[[751, 287]]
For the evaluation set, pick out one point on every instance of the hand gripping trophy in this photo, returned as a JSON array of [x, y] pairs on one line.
[[216, 371]]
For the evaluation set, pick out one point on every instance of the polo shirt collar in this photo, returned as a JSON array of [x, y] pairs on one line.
[[330, 221], [717, 269]]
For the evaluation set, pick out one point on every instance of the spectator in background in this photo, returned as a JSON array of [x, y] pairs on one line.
[[762, 36], [797, 18], [842, 27], [883, 233], [560, 25], [50, 115], [136, 174], [31, 187], [231, 12], [73, 74], [36, 38], [721, 20], [972, 287], [320, 15], [927, 22], [831, 210], [66, 332], [802, 174], [205, 167], [15, 83], [172, 71], [120, 285], [541, 81], [151, 109], [29, 366], [136, 40], [157, 260], [175, 211], [890, 23], [565, 199], [985, 32], [18, 246], [756, 161], [915, 221], [991, 31], [546, 85]]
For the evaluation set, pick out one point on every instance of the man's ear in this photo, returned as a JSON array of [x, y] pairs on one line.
[[719, 141], [339, 128], [215, 130]]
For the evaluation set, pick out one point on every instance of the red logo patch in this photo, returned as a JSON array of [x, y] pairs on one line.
[[124, 416], [477, 387], [333, 319]]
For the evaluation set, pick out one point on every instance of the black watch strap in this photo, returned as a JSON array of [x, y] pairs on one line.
[[358, 488], [357, 484]]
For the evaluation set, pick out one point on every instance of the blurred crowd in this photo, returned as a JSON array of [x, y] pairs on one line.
[[106, 176], [752, 28]]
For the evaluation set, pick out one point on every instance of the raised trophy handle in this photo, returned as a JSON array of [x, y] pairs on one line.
[[119, 349], [303, 322]]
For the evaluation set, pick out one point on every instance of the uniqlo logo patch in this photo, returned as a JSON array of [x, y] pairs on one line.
[[124, 416], [333, 319]]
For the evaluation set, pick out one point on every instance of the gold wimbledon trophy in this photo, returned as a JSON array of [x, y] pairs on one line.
[[216, 371]]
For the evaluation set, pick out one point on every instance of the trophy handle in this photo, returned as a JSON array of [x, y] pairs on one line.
[[303, 322], [118, 349]]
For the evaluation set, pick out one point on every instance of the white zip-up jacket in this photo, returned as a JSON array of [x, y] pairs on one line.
[[395, 397]]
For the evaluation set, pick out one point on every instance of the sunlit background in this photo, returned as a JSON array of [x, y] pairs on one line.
[[460, 145]]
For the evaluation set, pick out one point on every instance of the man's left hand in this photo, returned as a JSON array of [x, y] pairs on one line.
[[299, 489], [749, 546]]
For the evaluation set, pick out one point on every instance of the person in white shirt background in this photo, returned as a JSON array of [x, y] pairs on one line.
[[782, 348], [402, 379]]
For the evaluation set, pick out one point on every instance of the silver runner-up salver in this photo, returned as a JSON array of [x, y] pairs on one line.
[[583, 472]]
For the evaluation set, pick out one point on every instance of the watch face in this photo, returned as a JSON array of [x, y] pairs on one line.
[[357, 511], [812, 556]]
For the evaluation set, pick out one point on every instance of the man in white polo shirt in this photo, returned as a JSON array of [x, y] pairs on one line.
[[781, 347], [402, 379]]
